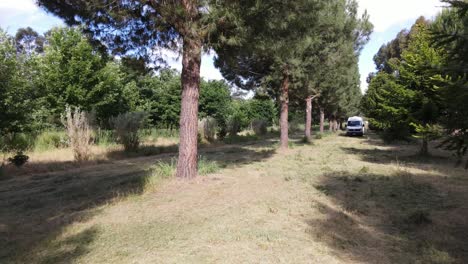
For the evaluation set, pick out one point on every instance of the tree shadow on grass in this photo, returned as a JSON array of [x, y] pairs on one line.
[[394, 155], [403, 218], [36, 209]]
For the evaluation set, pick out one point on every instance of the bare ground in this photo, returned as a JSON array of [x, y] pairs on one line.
[[340, 200]]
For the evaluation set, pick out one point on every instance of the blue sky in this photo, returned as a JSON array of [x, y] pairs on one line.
[[388, 17]]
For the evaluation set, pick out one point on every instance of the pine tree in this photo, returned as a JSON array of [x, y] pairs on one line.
[[137, 28]]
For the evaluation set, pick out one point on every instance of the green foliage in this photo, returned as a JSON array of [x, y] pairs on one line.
[[215, 101], [427, 132], [386, 104], [161, 97], [408, 98], [16, 92], [449, 32]]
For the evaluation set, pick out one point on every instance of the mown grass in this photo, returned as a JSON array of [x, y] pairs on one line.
[[341, 200]]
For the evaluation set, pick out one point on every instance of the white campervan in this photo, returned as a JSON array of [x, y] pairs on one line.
[[355, 126]]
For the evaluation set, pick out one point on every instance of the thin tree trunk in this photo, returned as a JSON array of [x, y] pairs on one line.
[[308, 125], [425, 147], [191, 61], [330, 125], [284, 110], [322, 119]]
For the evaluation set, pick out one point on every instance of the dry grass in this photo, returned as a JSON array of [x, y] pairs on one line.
[[340, 200], [63, 159]]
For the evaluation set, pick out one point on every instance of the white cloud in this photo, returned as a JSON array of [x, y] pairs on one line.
[[15, 14], [387, 13], [18, 5]]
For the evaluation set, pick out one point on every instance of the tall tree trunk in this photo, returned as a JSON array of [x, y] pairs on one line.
[[191, 61], [284, 110], [330, 124], [322, 119], [308, 125]]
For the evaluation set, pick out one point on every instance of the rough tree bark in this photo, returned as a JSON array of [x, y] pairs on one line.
[[308, 125], [191, 61], [322, 119], [284, 110]]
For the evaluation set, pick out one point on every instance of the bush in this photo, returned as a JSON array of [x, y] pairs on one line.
[[79, 132], [16, 142], [126, 128], [260, 127], [207, 127], [19, 159]]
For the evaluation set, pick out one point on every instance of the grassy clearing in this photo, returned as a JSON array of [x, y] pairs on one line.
[[338, 200]]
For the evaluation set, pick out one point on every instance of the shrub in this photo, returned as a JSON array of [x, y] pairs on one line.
[[260, 127], [79, 132], [207, 127], [126, 128], [318, 136], [19, 159], [233, 125], [16, 142]]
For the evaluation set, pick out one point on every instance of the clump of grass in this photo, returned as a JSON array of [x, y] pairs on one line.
[[432, 255], [159, 172], [323, 189], [364, 170], [318, 136], [206, 167], [104, 138], [164, 169]]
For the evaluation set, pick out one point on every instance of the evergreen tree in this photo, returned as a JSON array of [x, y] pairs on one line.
[[449, 32]]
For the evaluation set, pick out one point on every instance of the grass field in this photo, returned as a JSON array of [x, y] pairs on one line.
[[338, 200]]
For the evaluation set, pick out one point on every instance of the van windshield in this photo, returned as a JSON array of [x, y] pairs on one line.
[[354, 123]]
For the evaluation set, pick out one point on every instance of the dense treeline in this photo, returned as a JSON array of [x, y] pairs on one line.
[[420, 87], [42, 75]]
